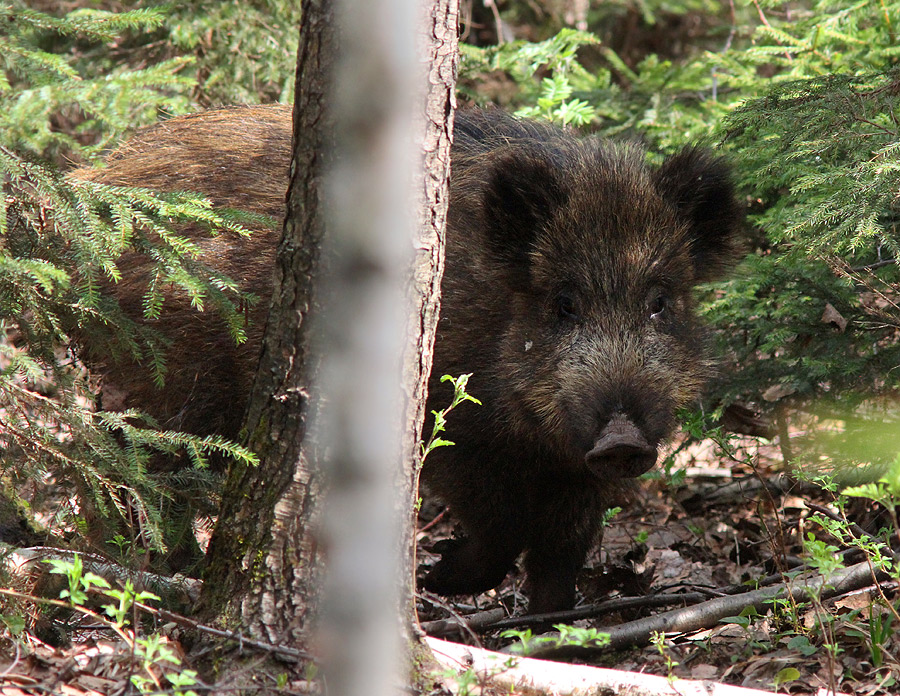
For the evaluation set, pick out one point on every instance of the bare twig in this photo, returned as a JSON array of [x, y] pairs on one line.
[[482, 620], [725, 49], [501, 34], [595, 610], [184, 621], [456, 623], [166, 615], [433, 522], [129, 640], [874, 266], [784, 436]]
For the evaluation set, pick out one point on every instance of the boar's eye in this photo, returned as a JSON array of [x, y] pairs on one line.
[[658, 306], [566, 307]]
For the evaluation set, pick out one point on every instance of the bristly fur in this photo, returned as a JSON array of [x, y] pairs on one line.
[[557, 249], [568, 294], [240, 158]]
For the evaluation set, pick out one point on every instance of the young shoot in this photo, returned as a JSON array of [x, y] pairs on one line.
[[440, 417]]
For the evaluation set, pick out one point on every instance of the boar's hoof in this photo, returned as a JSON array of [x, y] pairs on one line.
[[621, 451], [465, 568]]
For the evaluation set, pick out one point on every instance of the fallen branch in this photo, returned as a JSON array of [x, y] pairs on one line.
[[708, 614], [174, 592], [483, 620], [183, 621], [496, 619], [515, 674]]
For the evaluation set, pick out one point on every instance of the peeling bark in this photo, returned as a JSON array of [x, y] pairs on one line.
[[265, 562], [439, 38], [264, 565]]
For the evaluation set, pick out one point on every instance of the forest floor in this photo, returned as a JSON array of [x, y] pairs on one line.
[[731, 521], [727, 523]]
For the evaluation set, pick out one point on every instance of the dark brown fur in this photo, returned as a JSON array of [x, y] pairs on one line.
[[239, 157], [558, 252], [570, 267]]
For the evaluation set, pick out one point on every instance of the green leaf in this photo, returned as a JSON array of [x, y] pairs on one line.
[[786, 675]]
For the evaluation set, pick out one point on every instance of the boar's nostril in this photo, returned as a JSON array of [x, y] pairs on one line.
[[621, 451]]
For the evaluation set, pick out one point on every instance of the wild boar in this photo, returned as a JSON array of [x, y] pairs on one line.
[[567, 294]]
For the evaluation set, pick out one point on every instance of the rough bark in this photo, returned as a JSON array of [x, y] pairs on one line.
[[440, 49], [264, 563]]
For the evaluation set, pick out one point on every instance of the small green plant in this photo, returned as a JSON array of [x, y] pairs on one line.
[[155, 655], [674, 477], [573, 635], [80, 583], [609, 515], [877, 546], [696, 425], [821, 555], [875, 633], [742, 619], [123, 545], [877, 628], [786, 676], [440, 417], [126, 597], [466, 681], [311, 671], [801, 644], [156, 661], [885, 492], [14, 623], [658, 639], [565, 636]]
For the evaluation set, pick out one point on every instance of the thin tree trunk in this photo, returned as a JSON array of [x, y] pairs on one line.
[[380, 303], [389, 213], [419, 124], [264, 564], [361, 332], [438, 35]]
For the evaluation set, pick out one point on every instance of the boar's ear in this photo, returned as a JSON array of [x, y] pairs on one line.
[[700, 187], [521, 194]]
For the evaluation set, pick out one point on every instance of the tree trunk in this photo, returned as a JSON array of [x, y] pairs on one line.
[[263, 561], [370, 532], [438, 44], [265, 566]]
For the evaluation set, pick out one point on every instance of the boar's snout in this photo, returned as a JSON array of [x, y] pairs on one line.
[[621, 451]]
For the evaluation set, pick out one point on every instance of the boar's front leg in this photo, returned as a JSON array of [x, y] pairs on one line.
[[475, 563], [565, 530]]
